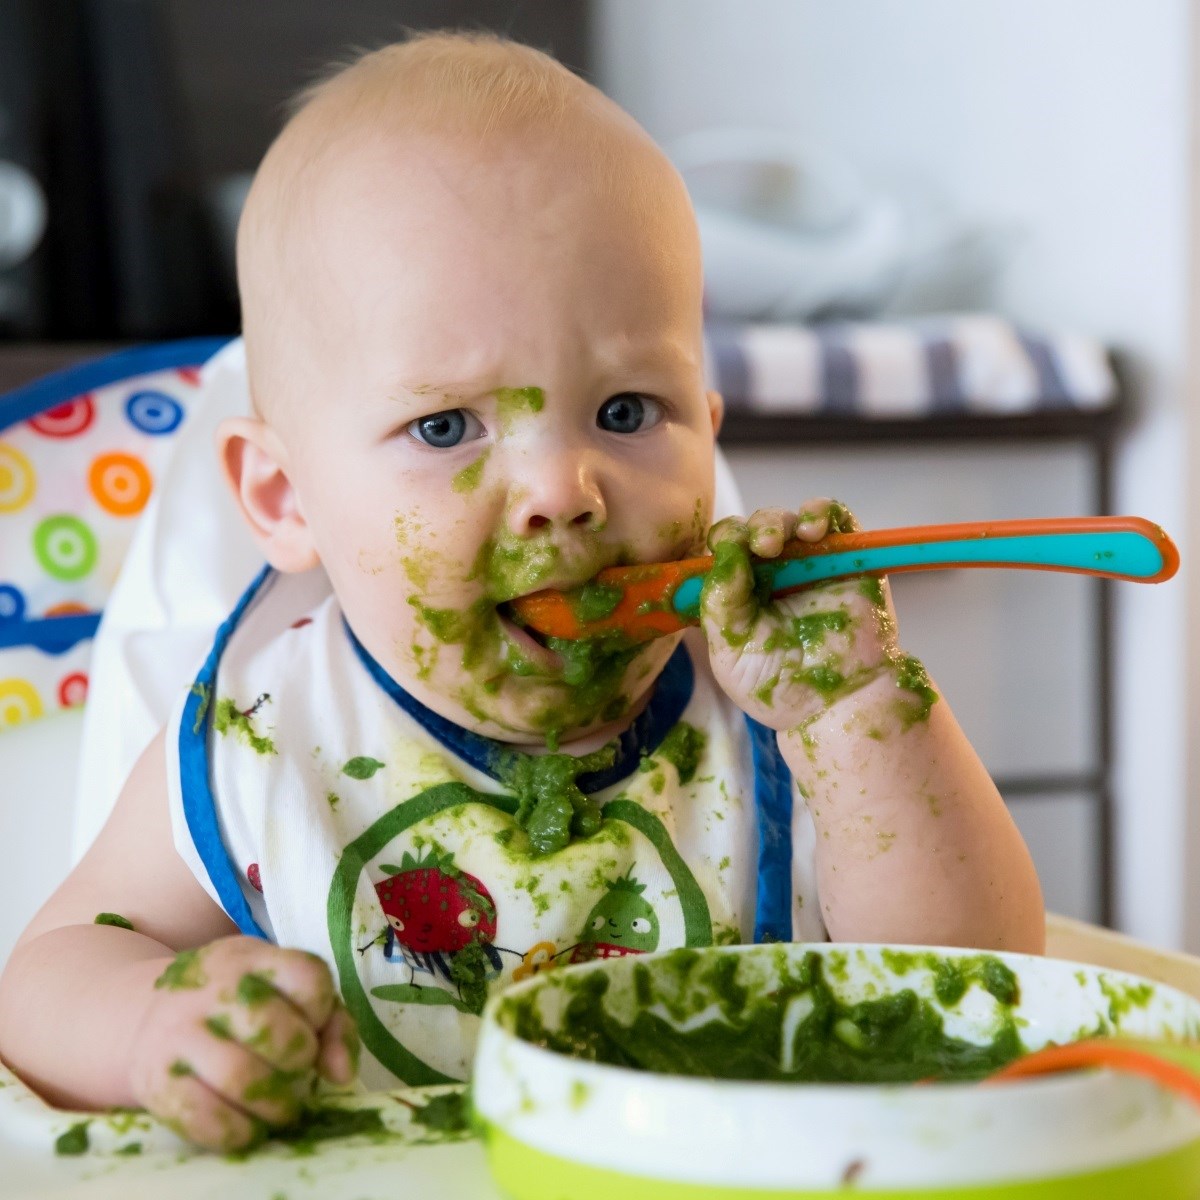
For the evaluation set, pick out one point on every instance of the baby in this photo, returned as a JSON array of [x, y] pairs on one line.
[[471, 289]]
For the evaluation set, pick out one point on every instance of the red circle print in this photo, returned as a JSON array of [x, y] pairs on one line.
[[65, 420], [72, 690]]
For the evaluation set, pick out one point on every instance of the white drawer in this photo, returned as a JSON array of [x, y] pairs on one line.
[[1012, 651]]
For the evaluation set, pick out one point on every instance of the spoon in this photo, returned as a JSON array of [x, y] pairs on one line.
[[648, 600], [1172, 1065]]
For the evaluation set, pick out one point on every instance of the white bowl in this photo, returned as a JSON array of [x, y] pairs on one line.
[[560, 1126]]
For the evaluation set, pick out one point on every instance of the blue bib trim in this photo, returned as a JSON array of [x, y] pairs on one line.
[[773, 802], [195, 782], [671, 695]]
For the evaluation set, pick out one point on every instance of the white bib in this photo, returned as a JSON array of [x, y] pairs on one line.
[[326, 809]]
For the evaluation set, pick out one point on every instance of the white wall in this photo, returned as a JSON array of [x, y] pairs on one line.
[[1069, 120]]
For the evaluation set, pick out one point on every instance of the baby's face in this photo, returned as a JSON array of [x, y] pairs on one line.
[[510, 398]]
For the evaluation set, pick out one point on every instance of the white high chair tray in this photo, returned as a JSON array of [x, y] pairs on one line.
[[406, 1161]]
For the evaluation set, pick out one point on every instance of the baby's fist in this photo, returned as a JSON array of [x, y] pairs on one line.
[[234, 1038], [783, 661]]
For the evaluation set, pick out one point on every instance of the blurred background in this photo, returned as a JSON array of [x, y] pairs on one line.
[[951, 275]]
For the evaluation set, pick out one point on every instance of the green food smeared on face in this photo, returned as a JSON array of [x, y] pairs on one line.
[[696, 1015], [180, 1069], [513, 402], [912, 677], [595, 670], [229, 718], [74, 1141], [551, 807], [595, 601], [109, 918], [183, 973], [684, 747], [253, 990], [448, 1114], [467, 480], [362, 767], [510, 566]]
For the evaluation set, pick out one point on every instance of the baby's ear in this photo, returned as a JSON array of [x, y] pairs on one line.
[[255, 464], [716, 410]]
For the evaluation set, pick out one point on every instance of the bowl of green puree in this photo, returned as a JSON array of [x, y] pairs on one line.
[[773, 1071]]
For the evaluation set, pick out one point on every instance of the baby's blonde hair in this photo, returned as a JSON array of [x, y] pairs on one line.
[[464, 85], [444, 78]]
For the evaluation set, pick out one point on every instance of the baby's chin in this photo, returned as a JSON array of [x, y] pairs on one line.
[[591, 696]]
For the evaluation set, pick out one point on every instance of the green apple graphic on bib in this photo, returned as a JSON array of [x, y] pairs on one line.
[[620, 923]]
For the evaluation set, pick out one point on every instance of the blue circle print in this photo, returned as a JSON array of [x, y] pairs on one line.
[[12, 603], [154, 412]]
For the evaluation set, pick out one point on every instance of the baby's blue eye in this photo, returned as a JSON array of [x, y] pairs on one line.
[[628, 412], [445, 429]]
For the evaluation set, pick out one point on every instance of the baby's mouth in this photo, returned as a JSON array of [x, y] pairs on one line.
[[527, 642]]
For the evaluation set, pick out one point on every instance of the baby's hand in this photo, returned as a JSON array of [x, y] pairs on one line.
[[784, 661], [234, 1038]]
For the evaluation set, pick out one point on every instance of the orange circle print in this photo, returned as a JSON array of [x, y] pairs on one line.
[[121, 484]]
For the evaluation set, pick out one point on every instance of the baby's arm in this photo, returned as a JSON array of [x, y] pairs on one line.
[[219, 1035], [914, 843]]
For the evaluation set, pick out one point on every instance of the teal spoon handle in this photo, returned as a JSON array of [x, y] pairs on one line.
[[1129, 553]]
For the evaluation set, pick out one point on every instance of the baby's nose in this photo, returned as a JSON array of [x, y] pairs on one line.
[[559, 496]]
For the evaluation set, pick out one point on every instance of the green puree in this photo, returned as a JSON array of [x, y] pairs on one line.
[[115, 919], [595, 601], [797, 1031], [551, 807]]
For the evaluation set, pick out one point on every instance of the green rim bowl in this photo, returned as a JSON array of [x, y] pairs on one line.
[[558, 1125]]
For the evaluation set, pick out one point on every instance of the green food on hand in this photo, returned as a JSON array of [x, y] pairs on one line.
[[115, 919], [253, 990], [183, 973]]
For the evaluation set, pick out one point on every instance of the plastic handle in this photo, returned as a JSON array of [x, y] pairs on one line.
[[1118, 547]]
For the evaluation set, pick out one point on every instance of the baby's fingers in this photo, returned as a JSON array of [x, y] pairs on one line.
[[728, 603], [300, 978], [269, 1027], [337, 1059], [768, 529], [269, 1094], [822, 516], [193, 1110]]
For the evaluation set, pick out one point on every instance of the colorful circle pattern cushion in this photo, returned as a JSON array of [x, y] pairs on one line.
[[74, 477]]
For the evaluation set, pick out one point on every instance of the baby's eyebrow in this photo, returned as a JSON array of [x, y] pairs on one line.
[[458, 390]]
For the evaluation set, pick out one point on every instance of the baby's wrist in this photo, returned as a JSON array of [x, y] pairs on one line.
[[881, 703]]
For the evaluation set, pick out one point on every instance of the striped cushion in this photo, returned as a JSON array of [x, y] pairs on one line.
[[916, 369]]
